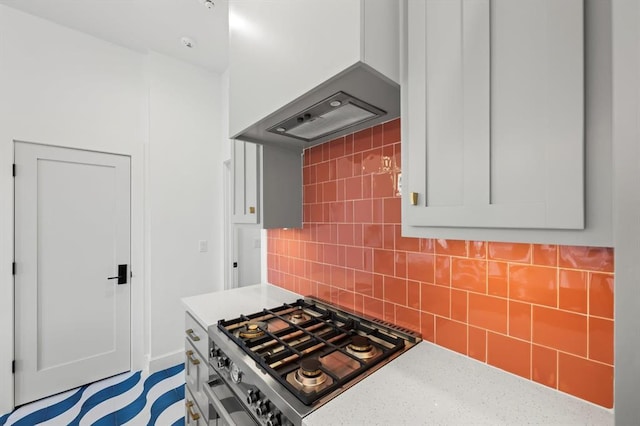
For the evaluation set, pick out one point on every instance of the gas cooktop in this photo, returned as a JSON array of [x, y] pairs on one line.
[[307, 350]]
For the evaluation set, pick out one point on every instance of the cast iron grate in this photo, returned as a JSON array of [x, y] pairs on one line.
[[337, 329]]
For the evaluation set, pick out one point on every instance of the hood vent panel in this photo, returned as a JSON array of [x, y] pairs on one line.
[[331, 115]]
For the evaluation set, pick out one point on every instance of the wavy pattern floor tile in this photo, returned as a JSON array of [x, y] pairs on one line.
[[131, 399]]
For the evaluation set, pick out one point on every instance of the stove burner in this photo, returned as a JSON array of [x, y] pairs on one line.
[[298, 316], [310, 367], [307, 360], [251, 330], [361, 347], [309, 374]]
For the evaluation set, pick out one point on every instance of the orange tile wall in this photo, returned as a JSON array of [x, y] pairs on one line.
[[543, 312]]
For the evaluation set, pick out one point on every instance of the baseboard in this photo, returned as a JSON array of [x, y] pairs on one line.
[[166, 361]]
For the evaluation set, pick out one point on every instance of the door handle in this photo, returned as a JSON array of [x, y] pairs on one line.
[[122, 275]]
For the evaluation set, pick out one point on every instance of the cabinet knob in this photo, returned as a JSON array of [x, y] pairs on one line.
[[252, 210], [414, 198]]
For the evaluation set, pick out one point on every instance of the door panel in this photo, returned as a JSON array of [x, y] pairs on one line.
[[245, 157], [247, 242], [72, 211]]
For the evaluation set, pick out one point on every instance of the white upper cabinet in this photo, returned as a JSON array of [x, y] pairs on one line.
[[494, 121], [283, 50], [267, 186], [246, 182]]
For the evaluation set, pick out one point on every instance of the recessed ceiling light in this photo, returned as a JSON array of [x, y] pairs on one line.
[[188, 42], [335, 103], [281, 129]]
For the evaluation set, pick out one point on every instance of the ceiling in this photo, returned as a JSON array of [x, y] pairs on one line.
[[145, 25]]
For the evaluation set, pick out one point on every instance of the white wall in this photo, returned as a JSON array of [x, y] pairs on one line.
[[61, 87], [185, 193]]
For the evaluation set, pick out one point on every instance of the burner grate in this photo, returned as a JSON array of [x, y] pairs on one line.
[[326, 333]]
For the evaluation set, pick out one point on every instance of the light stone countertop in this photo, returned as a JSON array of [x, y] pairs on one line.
[[430, 385], [427, 385], [208, 308]]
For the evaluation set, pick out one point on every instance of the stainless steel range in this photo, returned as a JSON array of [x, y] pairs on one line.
[[276, 366]]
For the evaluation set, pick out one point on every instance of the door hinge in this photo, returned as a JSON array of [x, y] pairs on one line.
[[13, 268], [13, 366], [14, 170]]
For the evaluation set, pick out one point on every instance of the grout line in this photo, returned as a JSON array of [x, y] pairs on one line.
[[486, 347], [589, 316], [557, 369]]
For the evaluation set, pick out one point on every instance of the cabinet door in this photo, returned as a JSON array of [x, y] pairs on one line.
[[246, 182], [193, 416], [495, 114], [196, 375]]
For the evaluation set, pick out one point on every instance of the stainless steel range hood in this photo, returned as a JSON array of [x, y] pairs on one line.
[[329, 116], [357, 98]]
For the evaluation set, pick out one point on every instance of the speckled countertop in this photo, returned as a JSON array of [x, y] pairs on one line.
[[208, 308], [427, 385], [430, 385]]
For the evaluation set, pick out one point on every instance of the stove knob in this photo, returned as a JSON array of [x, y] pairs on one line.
[[223, 362], [273, 419], [252, 396], [262, 408]]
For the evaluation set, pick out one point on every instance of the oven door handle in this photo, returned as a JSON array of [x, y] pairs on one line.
[[239, 417]]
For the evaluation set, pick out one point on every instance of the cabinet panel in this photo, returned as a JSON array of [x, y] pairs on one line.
[[246, 181], [196, 335], [281, 190], [537, 115], [444, 111], [495, 114], [193, 416], [267, 185], [196, 375], [457, 111]]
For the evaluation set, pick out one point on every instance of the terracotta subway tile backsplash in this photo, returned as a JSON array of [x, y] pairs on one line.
[[543, 312]]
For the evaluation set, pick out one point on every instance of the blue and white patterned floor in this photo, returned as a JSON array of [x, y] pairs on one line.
[[129, 398]]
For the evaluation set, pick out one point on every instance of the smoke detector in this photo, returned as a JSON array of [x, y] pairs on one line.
[[207, 3], [188, 42]]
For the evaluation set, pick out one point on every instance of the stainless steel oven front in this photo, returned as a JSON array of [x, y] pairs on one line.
[[241, 394], [225, 409]]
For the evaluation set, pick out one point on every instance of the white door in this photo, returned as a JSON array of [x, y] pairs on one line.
[[247, 254], [72, 231]]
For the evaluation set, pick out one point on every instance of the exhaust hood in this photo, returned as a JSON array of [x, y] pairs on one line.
[[355, 99], [331, 115]]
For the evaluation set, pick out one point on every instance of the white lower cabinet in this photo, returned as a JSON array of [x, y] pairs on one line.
[[197, 372], [193, 415]]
